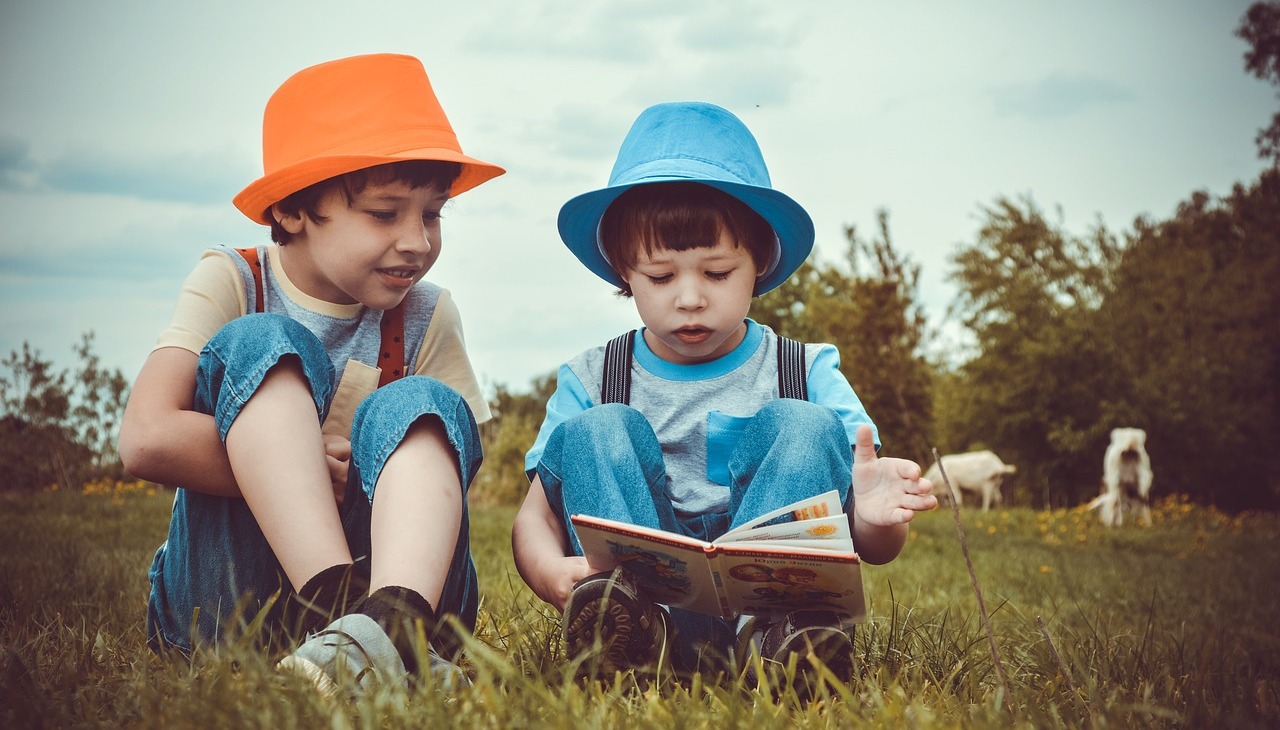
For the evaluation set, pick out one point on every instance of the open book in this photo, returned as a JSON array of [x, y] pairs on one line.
[[797, 557]]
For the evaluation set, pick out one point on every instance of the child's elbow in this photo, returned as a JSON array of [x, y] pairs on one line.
[[878, 556], [139, 454]]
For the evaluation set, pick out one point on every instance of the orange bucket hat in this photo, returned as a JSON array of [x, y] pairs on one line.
[[349, 114]]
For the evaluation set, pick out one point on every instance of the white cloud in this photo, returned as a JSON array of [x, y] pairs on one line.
[[1058, 95]]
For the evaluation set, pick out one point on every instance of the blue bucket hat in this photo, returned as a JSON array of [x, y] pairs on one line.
[[690, 142]]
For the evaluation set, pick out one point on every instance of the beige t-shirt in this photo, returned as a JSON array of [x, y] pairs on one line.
[[213, 295]]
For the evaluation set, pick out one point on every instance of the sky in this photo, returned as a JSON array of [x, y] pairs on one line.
[[127, 127]]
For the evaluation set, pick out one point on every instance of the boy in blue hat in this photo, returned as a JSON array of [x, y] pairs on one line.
[[703, 419]]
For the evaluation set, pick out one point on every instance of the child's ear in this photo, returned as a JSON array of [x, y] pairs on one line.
[[624, 291], [291, 222]]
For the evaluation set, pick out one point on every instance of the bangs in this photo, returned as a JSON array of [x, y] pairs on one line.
[[414, 173], [679, 216]]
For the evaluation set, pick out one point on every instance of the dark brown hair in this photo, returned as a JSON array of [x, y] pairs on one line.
[[415, 173], [678, 216]]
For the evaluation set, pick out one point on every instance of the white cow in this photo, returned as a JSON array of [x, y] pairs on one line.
[[980, 472], [1126, 478]]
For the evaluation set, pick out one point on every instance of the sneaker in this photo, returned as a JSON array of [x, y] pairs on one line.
[[444, 675], [817, 639], [411, 624], [354, 654], [609, 628]]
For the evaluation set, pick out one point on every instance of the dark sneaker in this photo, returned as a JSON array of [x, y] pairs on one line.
[[816, 639], [353, 654], [608, 628]]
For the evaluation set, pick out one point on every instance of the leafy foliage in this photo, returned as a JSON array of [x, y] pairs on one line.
[[1027, 291], [868, 309], [1260, 28], [59, 426], [1176, 331], [1194, 323], [505, 440]]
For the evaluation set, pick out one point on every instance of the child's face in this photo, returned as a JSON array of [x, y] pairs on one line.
[[372, 251], [693, 302]]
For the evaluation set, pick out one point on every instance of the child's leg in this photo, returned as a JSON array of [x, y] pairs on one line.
[[217, 555], [277, 455], [415, 449], [792, 449], [606, 462], [417, 513]]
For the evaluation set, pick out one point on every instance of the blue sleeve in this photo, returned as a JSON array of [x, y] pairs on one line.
[[569, 399], [828, 387]]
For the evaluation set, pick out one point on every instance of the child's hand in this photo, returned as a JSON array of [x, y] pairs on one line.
[[887, 491], [558, 579], [337, 454]]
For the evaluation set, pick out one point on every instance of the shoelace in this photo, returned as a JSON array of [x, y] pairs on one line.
[[349, 641]]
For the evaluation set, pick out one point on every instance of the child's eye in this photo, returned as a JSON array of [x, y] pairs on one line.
[[431, 215], [383, 215], [719, 275], [662, 279]]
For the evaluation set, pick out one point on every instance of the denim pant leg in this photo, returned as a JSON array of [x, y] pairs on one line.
[[606, 462], [378, 428], [791, 450], [216, 571]]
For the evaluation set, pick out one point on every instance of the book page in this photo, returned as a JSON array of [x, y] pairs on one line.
[[769, 582], [824, 533], [669, 568], [823, 505]]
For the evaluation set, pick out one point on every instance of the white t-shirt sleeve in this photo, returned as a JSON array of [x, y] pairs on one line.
[[211, 296]]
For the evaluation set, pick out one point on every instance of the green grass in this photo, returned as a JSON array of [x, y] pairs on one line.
[[1167, 626]]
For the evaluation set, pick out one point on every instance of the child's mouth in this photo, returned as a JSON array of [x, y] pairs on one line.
[[397, 278], [693, 335]]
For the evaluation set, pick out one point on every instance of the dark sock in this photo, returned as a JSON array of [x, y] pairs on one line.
[[398, 610], [331, 593]]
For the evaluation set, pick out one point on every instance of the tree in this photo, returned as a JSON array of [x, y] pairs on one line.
[[1194, 315], [1028, 291], [97, 398], [1176, 332], [1260, 28], [505, 440], [868, 309], [58, 427]]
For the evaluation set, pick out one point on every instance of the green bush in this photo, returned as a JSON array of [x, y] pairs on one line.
[[59, 426]]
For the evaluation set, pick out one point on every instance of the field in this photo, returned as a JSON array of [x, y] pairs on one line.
[[1167, 626]]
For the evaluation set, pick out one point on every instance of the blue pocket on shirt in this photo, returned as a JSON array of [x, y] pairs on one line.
[[723, 433]]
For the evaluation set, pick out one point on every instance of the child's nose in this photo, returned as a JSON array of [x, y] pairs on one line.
[[415, 238], [690, 296]]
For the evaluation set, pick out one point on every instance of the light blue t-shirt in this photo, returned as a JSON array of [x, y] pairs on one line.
[[699, 412]]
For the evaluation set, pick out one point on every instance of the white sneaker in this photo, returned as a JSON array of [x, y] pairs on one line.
[[352, 653]]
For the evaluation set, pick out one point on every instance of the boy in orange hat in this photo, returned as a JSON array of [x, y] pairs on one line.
[[313, 401]]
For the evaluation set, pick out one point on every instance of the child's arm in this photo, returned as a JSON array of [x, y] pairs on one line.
[[540, 547], [162, 439], [887, 493]]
